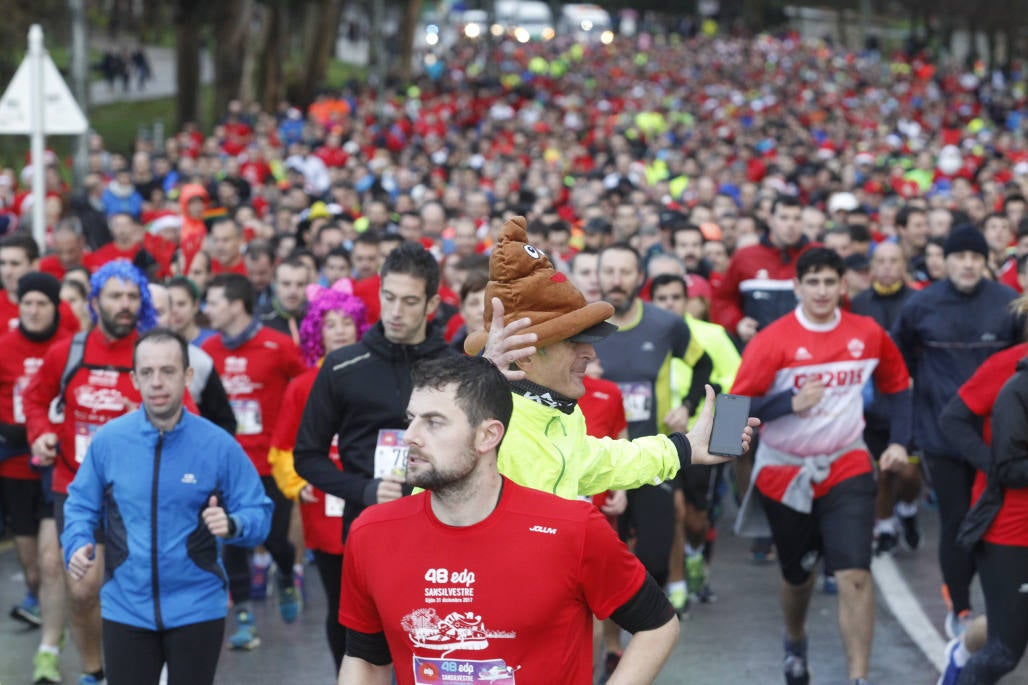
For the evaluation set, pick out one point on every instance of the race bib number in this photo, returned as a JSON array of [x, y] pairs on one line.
[[248, 417], [334, 506], [390, 454], [638, 401], [471, 672], [19, 408], [84, 433]]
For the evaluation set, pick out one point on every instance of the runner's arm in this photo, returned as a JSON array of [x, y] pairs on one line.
[[320, 422], [1010, 435], [701, 370], [357, 671], [652, 620], [963, 428]]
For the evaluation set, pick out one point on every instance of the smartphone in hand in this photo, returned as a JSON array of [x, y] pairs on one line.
[[731, 413]]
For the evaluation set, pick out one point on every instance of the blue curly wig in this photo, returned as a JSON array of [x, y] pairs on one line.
[[123, 270]]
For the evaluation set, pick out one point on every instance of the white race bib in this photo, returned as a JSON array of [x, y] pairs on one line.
[[334, 506], [638, 401], [390, 454], [84, 433], [248, 417]]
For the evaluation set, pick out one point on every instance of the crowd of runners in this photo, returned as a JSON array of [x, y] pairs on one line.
[[842, 237]]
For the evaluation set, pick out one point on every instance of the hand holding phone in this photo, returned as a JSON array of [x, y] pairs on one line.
[[731, 415]]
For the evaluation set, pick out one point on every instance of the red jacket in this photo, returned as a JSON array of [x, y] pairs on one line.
[[322, 520], [758, 284], [255, 376], [21, 360]]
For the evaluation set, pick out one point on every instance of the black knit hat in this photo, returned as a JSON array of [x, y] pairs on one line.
[[966, 238], [37, 281]]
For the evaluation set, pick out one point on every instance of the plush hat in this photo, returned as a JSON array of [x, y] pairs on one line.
[[37, 281], [527, 284], [966, 238]]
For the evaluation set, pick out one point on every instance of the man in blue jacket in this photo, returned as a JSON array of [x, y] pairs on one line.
[[945, 332], [168, 487]]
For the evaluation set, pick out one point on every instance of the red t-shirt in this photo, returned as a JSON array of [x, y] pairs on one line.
[[446, 604], [69, 324], [219, 268], [322, 520], [603, 407], [367, 289], [110, 252], [101, 390], [50, 264], [604, 411], [845, 354], [255, 376], [21, 359], [979, 393]]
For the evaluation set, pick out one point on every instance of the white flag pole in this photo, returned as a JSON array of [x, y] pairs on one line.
[[38, 143]]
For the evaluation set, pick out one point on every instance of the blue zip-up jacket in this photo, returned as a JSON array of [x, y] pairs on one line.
[[162, 566], [944, 336]]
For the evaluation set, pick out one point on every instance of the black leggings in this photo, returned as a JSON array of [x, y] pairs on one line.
[[1004, 573], [330, 568], [237, 559], [134, 656], [651, 514], [952, 480]]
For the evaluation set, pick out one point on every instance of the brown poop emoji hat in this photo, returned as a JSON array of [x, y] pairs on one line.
[[527, 284]]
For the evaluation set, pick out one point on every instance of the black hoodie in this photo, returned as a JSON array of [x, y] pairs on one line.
[[360, 389]]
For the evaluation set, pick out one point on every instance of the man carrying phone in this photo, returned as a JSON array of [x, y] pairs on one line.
[[813, 473]]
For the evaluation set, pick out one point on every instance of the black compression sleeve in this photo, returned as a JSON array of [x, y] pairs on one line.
[[681, 444], [372, 647], [648, 609]]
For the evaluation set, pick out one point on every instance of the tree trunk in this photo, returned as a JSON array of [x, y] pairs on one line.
[[410, 22], [188, 25], [271, 69], [330, 13], [231, 29]]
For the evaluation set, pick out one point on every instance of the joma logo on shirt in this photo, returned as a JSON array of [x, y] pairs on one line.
[[543, 529], [832, 379]]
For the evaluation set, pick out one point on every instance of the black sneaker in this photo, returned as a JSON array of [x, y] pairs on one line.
[[885, 543], [796, 672], [911, 531]]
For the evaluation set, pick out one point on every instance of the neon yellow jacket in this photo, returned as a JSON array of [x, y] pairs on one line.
[[549, 450]]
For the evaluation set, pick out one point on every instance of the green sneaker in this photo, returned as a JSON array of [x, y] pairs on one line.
[[679, 601], [695, 574], [46, 668]]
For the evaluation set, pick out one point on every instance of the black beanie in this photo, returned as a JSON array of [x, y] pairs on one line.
[[37, 281], [966, 238]]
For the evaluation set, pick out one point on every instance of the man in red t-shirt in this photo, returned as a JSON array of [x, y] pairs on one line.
[[227, 247], [26, 506], [19, 255], [69, 251], [445, 607], [129, 240], [806, 373], [256, 364], [99, 389]]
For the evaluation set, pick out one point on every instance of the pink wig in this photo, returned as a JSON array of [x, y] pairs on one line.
[[339, 298]]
